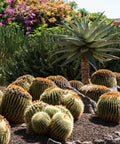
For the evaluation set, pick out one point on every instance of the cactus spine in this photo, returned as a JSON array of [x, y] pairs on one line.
[[4, 131], [108, 107], [117, 78], [40, 123]]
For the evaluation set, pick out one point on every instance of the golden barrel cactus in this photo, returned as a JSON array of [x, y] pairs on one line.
[[76, 84], [117, 78]]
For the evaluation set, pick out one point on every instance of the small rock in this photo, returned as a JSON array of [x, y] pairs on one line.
[[117, 132], [107, 137], [51, 141], [78, 142], [87, 142], [70, 142], [99, 141]]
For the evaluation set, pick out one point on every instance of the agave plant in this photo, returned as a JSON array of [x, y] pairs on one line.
[[88, 41]]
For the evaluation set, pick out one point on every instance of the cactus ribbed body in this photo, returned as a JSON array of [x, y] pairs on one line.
[[4, 131], [14, 103], [73, 103], [104, 77], [60, 81], [85, 88], [38, 87], [40, 123], [29, 129], [96, 91], [117, 78], [52, 95], [76, 84], [51, 110], [108, 107], [61, 126], [36, 106]]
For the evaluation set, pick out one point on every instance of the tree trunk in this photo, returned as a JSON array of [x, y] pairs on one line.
[[85, 70]]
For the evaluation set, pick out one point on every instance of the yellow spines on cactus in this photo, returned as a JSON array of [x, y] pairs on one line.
[[36, 106], [73, 103], [104, 77], [76, 84], [85, 88], [117, 78], [38, 86], [52, 95], [1, 97], [14, 103], [4, 131], [60, 81], [108, 107], [40, 123], [96, 91], [61, 126]]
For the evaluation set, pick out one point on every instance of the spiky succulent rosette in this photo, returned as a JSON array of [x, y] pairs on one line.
[[73, 103], [14, 103], [40, 123], [61, 126], [51, 110], [117, 78], [60, 81], [96, 91], [21, 82], [4, 131], [27, 78], [76, 84], [85, 88], [38, 87], [108, 107], [104, 77], [36, 106], [63, 109], [52, 95]]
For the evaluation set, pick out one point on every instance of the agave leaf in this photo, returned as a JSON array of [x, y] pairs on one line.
[[109, 56], [99, 57], [91, 61], [87, 29], [84, 49], [111, 36], [108, 49], [65, 43]]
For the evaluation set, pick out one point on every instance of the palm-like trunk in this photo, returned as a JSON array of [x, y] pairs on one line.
[[85, 70]]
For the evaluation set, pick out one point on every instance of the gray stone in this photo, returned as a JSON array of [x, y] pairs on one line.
[[107, 137], [117, 132], [87, 142], [99, 141], [51, 141], [78, 142]]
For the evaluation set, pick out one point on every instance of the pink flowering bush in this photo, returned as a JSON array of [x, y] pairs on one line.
[[31, 14]]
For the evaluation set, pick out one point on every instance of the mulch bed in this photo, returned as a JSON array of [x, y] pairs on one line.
[[86, 128]]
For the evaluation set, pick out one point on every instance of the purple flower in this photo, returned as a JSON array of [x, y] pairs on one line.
[[10, 10], [1, 24], [42, 0]]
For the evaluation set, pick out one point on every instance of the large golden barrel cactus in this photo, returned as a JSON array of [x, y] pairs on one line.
[[40, 123], [108, 107], [60, 81], [73, 103], [96, 91], [4, 131], [52, 95], [38, 86], [117, 78], [85, 88], [104, 77], [14, 103], [76, 84], [36, 106], [61, 126]]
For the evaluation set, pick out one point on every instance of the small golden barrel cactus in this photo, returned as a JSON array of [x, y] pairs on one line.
[[104, 77], [38, 87], [85, 88], [40, 123], [36, 106], [96, 91], [117, 78], [52, 95], [4, 131], [60, 81], [29, 129], [63, 109], [73, 103], [51, 110], [14, 103], [61, 126], [108, 107], [76, 84]]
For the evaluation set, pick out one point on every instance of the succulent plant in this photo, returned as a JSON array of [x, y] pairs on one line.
[[40, 123], [76, 84], [21, 82], [52, 95], [96, 91], [60, 81], [85, 88], [104, 77], [73, 103], [51, 110], [29, 129], [14, 103], [63, 109], [108, 107], [36, 106], [38, 86], [4, 131], [117, 78], [61, 126]]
